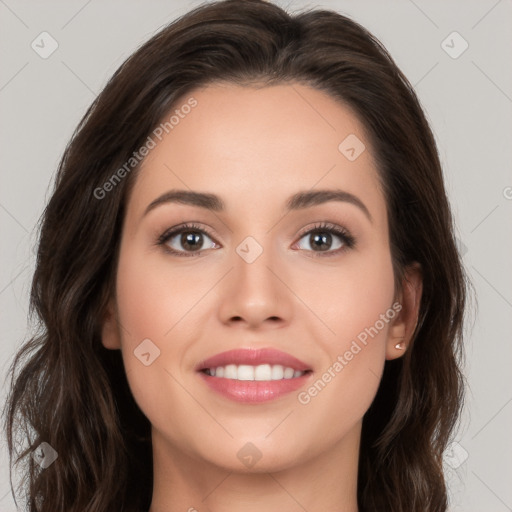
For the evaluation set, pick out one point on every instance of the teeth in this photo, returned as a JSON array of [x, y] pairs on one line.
[[245, 372], [260, 372], [230, 371], [288, 373], [277, 372]]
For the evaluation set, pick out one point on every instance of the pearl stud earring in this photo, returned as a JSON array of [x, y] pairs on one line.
[[400, 346]]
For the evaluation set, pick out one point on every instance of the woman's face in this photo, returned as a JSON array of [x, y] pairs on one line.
[[255, 275]]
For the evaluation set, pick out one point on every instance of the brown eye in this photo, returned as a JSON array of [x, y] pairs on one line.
[[327, 238], [185, 239]]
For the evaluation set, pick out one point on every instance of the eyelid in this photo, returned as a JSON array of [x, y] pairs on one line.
[[322, 225], [191, 226]]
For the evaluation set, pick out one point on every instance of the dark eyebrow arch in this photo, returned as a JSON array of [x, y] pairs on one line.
[[299, 201], [309, 198]]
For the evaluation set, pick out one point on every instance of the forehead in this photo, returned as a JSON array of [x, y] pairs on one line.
[[250, 145]]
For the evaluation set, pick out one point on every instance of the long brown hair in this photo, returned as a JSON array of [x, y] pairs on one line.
[[69, 391]]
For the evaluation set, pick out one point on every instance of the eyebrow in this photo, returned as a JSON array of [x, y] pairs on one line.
[[298, 201]]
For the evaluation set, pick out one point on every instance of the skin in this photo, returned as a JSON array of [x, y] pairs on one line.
[[255, 148]]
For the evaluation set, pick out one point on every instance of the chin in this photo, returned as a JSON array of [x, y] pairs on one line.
[[254, 456]]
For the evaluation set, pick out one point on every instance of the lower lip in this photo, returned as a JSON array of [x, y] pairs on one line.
[[254, 391]]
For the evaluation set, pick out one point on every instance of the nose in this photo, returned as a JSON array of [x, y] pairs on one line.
[[256, 294]]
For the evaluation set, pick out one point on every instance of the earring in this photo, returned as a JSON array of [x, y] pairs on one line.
[[400, 346]]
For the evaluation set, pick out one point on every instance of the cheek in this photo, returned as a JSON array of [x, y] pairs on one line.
[[346, 386], [152, 296], [357, 306], [350, 296], [150, 304]]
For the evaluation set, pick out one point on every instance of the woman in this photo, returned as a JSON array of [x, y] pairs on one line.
[[247, 280]]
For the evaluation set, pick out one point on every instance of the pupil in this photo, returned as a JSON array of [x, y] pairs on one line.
[[322, 239], [189, 238]]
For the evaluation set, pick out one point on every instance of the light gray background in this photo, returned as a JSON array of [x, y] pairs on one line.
[[468, 101]]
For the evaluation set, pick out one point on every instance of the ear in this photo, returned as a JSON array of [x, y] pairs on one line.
[[403, 325], [109, 329]]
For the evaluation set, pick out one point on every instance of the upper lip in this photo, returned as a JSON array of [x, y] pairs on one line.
[[253, 357]]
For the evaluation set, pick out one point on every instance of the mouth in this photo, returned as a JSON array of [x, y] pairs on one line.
[[254, 376]]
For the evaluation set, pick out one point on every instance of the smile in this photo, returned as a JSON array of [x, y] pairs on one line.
[[253, 376]]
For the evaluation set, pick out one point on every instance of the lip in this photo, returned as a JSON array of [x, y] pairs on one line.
[[253, 357], [254, 392]]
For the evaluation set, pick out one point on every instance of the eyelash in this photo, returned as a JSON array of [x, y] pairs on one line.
[[324, 227]]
